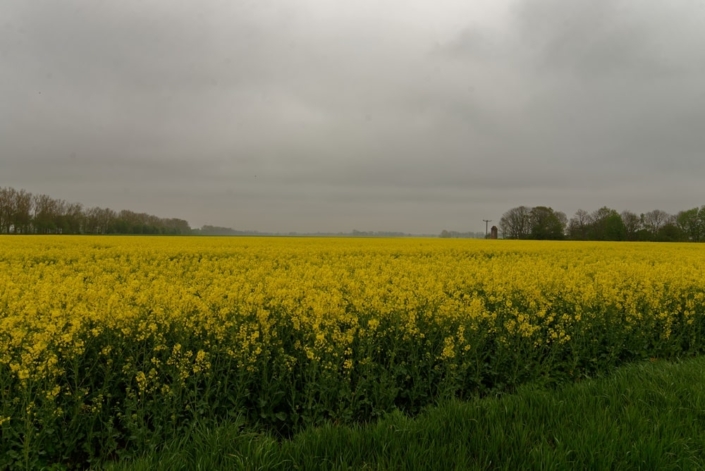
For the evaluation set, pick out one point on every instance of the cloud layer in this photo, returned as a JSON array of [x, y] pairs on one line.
[[331, 116]]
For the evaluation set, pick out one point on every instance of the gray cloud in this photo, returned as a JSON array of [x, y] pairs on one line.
[[331, 116]]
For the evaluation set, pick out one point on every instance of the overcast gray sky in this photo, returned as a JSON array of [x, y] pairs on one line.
[[332, 115]]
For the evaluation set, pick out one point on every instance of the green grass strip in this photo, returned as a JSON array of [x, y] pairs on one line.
[[646, 416]]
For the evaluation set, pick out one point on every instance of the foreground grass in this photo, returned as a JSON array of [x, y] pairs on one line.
[[646, 416]]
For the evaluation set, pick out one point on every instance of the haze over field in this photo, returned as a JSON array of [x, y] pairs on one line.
[[327, 115]]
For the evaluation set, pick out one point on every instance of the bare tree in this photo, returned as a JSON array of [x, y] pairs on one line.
[[6, 197], [579, 225], [15, 211], [632, 223], [516, 223], [23, 212], [45, 212], [655, 220]]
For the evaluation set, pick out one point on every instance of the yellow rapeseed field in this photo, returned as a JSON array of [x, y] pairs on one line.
[[123, 340]]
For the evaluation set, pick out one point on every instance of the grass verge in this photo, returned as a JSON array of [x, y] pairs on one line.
[[645, 416]]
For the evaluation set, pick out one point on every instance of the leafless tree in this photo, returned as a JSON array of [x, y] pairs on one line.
[[655, 220], [579, 225], [516, 223], [632, 224]]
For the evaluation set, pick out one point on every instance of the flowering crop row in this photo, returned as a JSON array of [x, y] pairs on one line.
[[109, 345]]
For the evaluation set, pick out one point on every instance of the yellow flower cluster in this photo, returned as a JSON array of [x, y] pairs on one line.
[[337, 303], [57, 292]]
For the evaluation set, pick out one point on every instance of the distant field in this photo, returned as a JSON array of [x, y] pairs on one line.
[[111, 345]]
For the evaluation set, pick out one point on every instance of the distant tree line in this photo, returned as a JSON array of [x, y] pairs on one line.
[[461, 235], [543, 223], [224, 231], [228, 231], [356, 233], [22, 212]]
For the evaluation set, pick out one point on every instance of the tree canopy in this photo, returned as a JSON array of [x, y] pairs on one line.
[[22, 212], [544, 223]]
